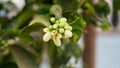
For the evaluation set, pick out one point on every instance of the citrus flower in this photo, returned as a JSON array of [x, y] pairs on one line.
[[58, 30]]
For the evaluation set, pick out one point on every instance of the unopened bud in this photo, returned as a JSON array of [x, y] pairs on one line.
[[47, 36], [63, 20], [57, 41], [11, 42], [45, 29], [52, 19], [60, 35], [61, 30], [50, 27], [68, 34], [54, 32], [57, 22], [55, 26], [67, 27], [62, 24]]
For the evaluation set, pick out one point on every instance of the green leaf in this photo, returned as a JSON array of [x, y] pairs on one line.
[[73, 49], [105, 26], [56, 10], [23, 58], [40, 19], [102, 8], [78, 27], [89, 7], [24, 34], [44, 9], [25, 16]]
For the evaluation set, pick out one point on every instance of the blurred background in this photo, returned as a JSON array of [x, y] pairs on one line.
[[107, 43]]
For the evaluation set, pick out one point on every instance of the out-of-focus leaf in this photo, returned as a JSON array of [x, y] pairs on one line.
[[67, 4], [23, 58], [73, 49], [89, 7], [44, 9], [56, 10], [70, 15], [25, 16], [116, 5], [102, 8], [24, 34], [9, 65], [105, 26], [40, 19], [4, 23], [78, 27]]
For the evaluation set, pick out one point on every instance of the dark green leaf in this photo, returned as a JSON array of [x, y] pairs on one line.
[[9, 65], [78, 27], [25, 16], [102, 8]]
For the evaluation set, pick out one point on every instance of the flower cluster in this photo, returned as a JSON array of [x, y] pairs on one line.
[[60, 29]]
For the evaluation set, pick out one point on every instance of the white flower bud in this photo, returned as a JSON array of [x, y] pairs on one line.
[[47, 37], [50, 27], [60, 35], [54, 32], [67, 27], [63, 20], [57, 41], [52, 19], [55, 26], [68, 34], [62, 24], [11, 42], [45, 29], [57, 22], [61, 30]]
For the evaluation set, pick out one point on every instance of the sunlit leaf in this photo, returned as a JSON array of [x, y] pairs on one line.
[[56, 10], [40, 19]]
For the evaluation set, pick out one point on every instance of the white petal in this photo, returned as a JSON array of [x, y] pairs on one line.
[[57, 41], [63, 20], [68, 34], [45, 29], [60, 35], [67, 27], [47, 36]]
